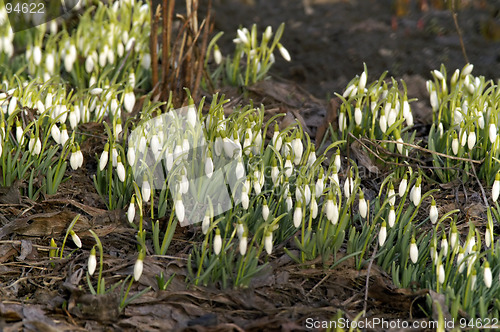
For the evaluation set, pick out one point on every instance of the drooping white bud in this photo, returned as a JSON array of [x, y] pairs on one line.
[[217, 242], [433, 212], [92, 262], [382, 235], [75, 239], [297, 215], [268, 242], [413, 251]]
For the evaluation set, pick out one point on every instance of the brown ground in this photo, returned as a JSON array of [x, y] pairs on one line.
[[328, 48]]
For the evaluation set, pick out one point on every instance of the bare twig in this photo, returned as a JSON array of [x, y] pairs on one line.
[[459, 31]]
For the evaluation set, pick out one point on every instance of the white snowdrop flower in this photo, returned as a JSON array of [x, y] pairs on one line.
[[320, 184], [413, 250], [297, 215], [348, 91], [205, 225], [417, 192], [75, 238], [12, 105], [217, 242], [403, 185], [363, 206], [209, 167], [382, 235], [240, 169], [245, 200], [120, 170], [488, 278], [391, 195], [288, 167], [457, 116], [275, 174], [391, 117], [480, 120], [191, 115], [129, 101], [247, 142], [347, 188], [289, 202], [298, 149], [438, 74], [146, 61], [103, 161], [73, 120], [89, 64], [34, 145], [243, 245], [131, 210], [332, 211], [473, 280], [277, 140], [265, 211], [73, 159], [49, 63], [155, 146], [314, 207], [469, 246], [495, 190], [179, 208], [342, 121], [460, 260], [183, 183], [467, 70], [218, 145], [440, 129], [284, 52], [145, 190], [337, 161], [433, 212], [440, 272], [454, 144], [217, 55], [383, 122], [492, 132], [268, 242], [463, 137], [114, 156], [92, 262], [362, 81], [37, 55], [391, 218], [334, 178], [19, 133], [307, 194], [471, 141], [138, 267], [434, 100], [258, 181], [230, 147], [257, 143], [399, 145], [312, 157], [358, 116], [64, 135], [444, 245], [487, 237], [454, 237], [243, 36]]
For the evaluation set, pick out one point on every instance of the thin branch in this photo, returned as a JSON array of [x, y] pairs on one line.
[[459, 31]]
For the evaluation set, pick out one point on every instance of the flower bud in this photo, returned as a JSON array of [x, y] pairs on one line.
[[120, 170], [131, 210], [337, 161], [487, 275], [454, 144], [92, 262], [433, 212], [471, 141], [314, 208], [391, 218], [440, 273], [297, 215], [492, 132], [391, 195], [403, 185], [444, 245], [382, 235], [284, 52], [75, 239], [358, 116], [265, 211], [103, 161], [268, 242], [417, 192], [217, 242], [138, 267], [243, 245], [179, 208], [145, 190], [495, 190], [460, 260], [413, 250], [363, 206]]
